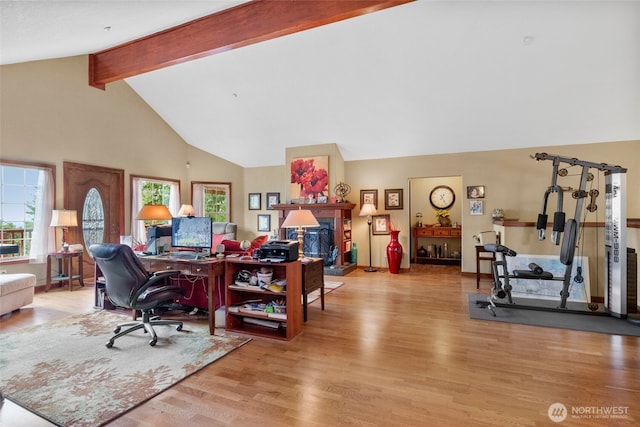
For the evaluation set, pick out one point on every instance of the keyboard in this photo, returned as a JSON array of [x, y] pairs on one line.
[[187, 255]]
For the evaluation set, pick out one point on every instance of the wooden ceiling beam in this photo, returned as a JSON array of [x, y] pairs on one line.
[[245, 24]]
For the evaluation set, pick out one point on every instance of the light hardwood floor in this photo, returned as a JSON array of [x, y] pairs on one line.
[[392, 350]]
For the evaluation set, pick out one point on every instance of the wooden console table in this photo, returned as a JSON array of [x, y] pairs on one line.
[[65, 269], [453, 236]]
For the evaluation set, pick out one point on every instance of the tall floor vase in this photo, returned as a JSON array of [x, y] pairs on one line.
[[394, 253]]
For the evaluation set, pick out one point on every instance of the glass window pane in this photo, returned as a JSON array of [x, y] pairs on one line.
[[93, 218]]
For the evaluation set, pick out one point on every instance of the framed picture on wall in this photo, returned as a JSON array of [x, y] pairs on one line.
[[272, 199], [255, 201], [309, 177], [393, 199], [264, 222], [369, 196], [475, 192], [476, 207], [381, 224]]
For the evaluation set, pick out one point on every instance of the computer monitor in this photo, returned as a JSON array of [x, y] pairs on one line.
[[192, 232]]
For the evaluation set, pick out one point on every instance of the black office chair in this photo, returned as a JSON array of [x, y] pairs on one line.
[[128, 284]]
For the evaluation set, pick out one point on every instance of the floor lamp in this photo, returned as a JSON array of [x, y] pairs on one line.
[[368, 209]]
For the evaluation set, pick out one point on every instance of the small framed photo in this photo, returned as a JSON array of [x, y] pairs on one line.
[[381, 224], [264, 222], [476, 207], [393, 199], [369, 196], [255, 201], [475, 192], [272, 199]]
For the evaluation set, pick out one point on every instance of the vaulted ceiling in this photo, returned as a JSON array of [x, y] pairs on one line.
[[420, 78]]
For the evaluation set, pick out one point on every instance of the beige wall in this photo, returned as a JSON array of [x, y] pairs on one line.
[[513, 182], [50, 114]]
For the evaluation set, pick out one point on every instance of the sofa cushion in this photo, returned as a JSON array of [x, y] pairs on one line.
[[226, 229], [233, 246], [10, 283]]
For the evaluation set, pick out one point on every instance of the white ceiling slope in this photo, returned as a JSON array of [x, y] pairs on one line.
[[422, 78]]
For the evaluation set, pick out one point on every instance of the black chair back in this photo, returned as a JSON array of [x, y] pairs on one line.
[[123, 272]]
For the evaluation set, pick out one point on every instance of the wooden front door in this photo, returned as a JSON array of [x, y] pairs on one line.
[[101, 223]]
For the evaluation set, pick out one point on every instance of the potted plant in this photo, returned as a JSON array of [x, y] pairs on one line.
[[443, 217]]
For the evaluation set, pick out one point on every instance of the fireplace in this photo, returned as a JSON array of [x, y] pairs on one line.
[[332, 237], [318, 241]]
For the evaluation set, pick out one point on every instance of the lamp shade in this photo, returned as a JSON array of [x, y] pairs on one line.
[[186, 210], [64, 218], [300, 218], [154, 213], [368, 209]]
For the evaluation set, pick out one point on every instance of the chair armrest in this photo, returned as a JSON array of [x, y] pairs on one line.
[[164, 273]]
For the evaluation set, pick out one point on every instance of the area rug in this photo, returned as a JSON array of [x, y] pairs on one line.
[[551, 319], [329, 286], [63, 372]]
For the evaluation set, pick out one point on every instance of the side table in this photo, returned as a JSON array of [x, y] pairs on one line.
[[312, 279], [481, 255], [65, 268]]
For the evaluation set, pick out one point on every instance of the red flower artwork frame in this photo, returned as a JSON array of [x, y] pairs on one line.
[[309, 177]]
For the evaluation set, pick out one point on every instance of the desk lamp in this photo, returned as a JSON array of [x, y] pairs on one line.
[[299, 219], [187, 211], [368, 209], [64, 219], [154, 213]]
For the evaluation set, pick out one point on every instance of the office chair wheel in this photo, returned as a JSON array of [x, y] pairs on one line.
[[109, 344], [153, 342], [116, 330], [179, 328]]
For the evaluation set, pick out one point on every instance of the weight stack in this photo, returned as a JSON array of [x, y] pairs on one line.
[[632, 281]]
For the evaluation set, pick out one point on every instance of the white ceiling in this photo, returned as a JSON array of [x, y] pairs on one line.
[[422, 78]]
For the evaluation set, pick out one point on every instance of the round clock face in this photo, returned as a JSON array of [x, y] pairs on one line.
[[442, 197]]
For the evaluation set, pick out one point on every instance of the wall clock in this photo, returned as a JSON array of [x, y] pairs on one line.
[[442, 197]]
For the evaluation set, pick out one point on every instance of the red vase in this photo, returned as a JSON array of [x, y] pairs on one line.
[[394, 253]]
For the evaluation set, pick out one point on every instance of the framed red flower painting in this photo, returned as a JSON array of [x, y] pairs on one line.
[[309, 178]]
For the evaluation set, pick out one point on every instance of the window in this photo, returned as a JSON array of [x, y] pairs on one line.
[[151, 191], [212, 199], [26, 202]]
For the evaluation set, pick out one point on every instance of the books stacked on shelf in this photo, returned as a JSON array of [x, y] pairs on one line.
[[276, 309]]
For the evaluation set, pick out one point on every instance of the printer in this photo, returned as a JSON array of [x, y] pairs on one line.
[[279, 251]]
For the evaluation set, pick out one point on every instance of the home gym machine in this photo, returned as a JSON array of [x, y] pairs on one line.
[[615, 299]]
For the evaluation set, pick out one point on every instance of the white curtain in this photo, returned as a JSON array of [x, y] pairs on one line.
[[197, 199], [43, 239], [138, 230], [174, 198]]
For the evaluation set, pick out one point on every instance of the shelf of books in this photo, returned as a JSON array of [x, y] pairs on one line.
[[264, 299]]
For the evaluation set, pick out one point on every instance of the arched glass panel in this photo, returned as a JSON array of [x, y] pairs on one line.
[[93, 218]]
